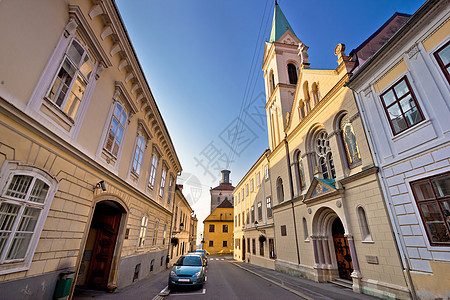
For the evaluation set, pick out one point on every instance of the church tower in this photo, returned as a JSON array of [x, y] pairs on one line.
[[280, 65]]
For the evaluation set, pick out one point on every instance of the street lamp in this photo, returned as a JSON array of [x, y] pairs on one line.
[[181, 228], [256, 226]]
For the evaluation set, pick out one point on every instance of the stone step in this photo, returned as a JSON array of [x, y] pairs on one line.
[[342, 282]]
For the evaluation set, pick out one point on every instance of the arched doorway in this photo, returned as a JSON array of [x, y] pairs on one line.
[[342, 250], [97, 261]]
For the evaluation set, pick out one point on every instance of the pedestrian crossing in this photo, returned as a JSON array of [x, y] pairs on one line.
[[226, 258]]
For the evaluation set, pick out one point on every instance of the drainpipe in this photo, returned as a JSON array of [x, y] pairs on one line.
[[291, 188], [401, 251]]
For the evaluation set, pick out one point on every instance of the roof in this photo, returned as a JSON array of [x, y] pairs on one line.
[[225, 204], [279, 24], [223, 187]]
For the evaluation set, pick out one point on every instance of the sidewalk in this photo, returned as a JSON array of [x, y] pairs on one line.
[[146, 288], [305, 288]]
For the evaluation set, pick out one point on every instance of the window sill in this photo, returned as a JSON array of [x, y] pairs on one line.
[[51, 110], [368, 242]]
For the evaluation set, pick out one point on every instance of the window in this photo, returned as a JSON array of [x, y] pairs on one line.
[[283, 230], [292, 72], [218, 199], [161, 262], [271, 249], [116, 129], [142, 232], [266, 172], [170, 189], [271, 82], [269, 207], [239, 220], [153, 168], [239, 197], [211, 244], [72, 79], [305, 230], [401, 106], [246, 190], [280, 190], [258, 179], [364, 226], [211, 228], [138, 155], [152, 263], [259, 211], [24, 205], [248, 217], [254, 246], [164, 234], [235, 221], [261, 248], [163, 183], [323, 151], [251, 185], [243, 218], [300, 172], [432, 196], [224, 244], [224, 228], [155, 233], [252, 213], [443, 58], [349, 142], [242, 194]]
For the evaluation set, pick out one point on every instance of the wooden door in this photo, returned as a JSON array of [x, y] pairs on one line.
[[342, 250], [106, 220]]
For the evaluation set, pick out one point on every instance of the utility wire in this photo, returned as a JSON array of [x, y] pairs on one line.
[[250, 85]]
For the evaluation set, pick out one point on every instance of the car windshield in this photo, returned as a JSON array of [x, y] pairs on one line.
[[190, 261]]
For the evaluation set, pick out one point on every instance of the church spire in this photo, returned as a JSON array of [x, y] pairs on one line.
[[279, 24]]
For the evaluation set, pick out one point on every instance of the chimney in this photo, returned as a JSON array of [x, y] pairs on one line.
[[226, 176]]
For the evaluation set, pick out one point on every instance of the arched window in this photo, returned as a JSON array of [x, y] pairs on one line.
[[305, 229], [365, 231], [271, 83], [307, 98], [280, 191], [292, 72], [301, 110], [218, 199], [326, 163], [315, 93], [299, 172], [349, 141]]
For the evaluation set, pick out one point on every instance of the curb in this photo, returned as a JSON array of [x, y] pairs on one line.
[[276, 283]]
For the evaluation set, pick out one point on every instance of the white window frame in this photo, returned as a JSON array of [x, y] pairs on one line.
[[8, 171], [44, 109], [266, 172], [164, 234], [269, 207], [153, 170], [252, 185], [162, 183], [142, 232], [139, 151], [258, 179], [246, 190]]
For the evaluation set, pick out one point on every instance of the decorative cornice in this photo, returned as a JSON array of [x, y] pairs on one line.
[[413, 51]]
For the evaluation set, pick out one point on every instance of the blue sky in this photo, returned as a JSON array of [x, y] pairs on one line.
[[197, 56]]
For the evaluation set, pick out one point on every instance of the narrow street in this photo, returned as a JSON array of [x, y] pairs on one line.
[[229, 279]]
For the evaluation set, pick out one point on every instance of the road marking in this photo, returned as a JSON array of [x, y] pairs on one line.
[[158, 297], [221, 259], [165, 291], [206, 278], [202, 292]]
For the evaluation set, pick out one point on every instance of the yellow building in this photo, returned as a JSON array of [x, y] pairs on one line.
[[87, 166], [218, 230]]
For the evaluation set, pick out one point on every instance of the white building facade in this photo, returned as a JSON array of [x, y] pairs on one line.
[[403, 94]]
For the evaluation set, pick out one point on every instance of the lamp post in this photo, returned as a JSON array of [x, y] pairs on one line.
[[256, 226]]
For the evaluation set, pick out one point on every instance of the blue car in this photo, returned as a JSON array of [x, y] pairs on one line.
[[189, 270], [204, 254]]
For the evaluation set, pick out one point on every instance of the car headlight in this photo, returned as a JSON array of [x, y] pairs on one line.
[[197, 274], [172, 273]]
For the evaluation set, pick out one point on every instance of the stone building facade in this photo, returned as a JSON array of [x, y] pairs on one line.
[[330, 222], [87, 166]]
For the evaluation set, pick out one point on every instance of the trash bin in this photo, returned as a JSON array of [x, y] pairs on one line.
[[63, 285]]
